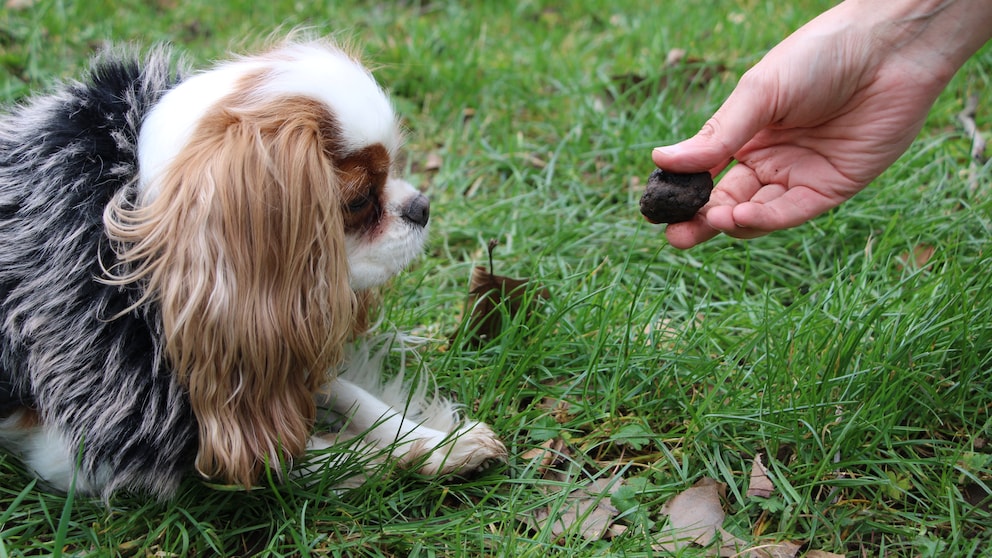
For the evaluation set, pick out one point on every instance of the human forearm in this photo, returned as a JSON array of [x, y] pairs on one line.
[[942, 34]]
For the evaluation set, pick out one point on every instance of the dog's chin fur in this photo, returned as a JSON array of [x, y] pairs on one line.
[[184, 259]]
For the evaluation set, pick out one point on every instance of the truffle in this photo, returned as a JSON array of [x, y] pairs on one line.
[[672, 198]]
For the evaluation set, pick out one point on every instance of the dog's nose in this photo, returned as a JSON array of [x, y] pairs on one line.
[[418, 210]]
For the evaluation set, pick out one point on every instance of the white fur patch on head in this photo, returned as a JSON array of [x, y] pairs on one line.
[[355, 100], [315, 70]]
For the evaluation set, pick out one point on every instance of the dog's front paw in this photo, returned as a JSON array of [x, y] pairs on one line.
[[463, 451]]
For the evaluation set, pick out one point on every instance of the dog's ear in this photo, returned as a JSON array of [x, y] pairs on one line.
[[243, 248]]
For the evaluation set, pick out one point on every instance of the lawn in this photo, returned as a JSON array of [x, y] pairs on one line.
[[852, 354]]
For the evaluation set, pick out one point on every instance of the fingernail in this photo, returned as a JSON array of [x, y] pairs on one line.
[[667, 150]]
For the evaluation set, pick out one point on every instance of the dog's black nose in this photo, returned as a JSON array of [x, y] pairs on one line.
[[418, 210]]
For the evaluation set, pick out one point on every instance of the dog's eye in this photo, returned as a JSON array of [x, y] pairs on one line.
[[358, 204], [362, 212]]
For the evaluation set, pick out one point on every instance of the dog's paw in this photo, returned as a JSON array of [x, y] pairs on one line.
[[465, 450]]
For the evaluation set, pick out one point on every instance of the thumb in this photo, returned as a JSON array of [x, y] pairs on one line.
[[742, 115]]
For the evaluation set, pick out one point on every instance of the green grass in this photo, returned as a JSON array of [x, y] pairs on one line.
[[865, 381]]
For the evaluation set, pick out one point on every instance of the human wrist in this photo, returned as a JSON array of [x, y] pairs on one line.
[[941, 34]]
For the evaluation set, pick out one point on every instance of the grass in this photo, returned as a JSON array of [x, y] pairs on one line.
[[863, 379]]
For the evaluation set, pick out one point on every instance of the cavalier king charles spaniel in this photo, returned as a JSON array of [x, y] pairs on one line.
[[188, 264]]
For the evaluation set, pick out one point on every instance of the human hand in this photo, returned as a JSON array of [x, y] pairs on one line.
[[819, 117]]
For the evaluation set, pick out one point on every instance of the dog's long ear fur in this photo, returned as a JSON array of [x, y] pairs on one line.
[[243, 248]]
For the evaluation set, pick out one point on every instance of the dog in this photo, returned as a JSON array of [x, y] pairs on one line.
[[187, 262]]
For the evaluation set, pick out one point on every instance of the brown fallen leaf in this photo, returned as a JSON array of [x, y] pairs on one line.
[[433, 162], [583, 504], [694, 515], [760, 485], [550, 453], [822, 554], [614, 530], [557, 408], [784, 549], [675, 56], [487, 291], [587, 511], [918, 259]]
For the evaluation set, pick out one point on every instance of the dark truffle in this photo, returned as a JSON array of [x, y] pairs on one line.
[[672, 198]]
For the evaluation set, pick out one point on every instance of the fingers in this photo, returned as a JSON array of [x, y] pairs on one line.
[[741, 116], [689, 233], [702, 227], [737, 186], [718, 214], [744, 221], [742, 208], [791, 208]]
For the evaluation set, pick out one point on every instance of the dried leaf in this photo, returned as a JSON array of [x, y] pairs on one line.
[[586, 511], [433, 162], [584, 505], [918, 259], [592, 515], [558, 409], [694, 515], [614, 530], [487, 291], [760, 484], [675, 56], [784, 549], [550, 454], [822, 554], [732, 546], [534, 160]]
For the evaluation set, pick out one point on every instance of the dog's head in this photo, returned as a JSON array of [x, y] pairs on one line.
[[268, 207]]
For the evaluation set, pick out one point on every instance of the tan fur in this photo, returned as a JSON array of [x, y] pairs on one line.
[[22, 418], [243, 249]]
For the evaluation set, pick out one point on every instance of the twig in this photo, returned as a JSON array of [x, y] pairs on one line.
[[967, 119]]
